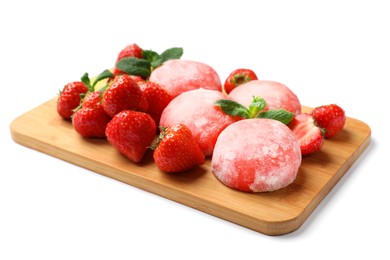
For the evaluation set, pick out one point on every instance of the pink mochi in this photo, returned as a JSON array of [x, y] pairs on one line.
[[178, 76], [256, 155], [275, 94], [195, 109]]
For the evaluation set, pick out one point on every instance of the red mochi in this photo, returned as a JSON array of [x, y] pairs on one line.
[[196, 110], [276, 95], [178, 76], [256, 155]]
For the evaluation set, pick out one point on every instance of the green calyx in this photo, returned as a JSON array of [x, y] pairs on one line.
[[240, 79], [158, 138], [150, 60], [255, 110], [91, 85]]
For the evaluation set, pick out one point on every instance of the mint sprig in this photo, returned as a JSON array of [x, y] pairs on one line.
[[150, 61], [255, 110]]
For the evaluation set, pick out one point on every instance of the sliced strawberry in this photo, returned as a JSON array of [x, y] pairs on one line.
[[131, 133], [238, 77], [177, 151], [329, 117], [310, 136]]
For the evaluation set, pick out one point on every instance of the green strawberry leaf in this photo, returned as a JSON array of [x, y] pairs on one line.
[[277, 114], [104, 75], [85, 79], [233, 108], [135, 66], [102, 89]]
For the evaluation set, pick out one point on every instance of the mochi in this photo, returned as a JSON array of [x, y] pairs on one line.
[[275, 94], [178, 76], [256, 155], [196, 110]]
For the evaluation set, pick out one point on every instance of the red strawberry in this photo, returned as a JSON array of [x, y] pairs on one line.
[[137, 78], [310, 136], [329, 117], [131, 133], [69, 98], [123, 93], [92, 99], [158, 98], [91, 120], [132, 50], [177, 151], [238, 77]]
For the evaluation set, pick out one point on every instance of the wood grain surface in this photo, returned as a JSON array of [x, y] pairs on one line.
[[272, 213]]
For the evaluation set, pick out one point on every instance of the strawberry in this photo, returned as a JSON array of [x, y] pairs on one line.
[[137, 78], [131, 50], [123, 93], [176, 150], [91, 120], [329, 117], [310, 137], [70, 97], [158, 98], [131, 133], [92, 99], [238, 77]]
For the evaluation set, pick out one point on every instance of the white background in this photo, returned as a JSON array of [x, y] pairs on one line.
[[325, 51]]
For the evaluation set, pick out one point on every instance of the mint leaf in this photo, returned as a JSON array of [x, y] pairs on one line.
[[233, 108], [172, 53], [277, 114], [134, 66], [169, 54], [150, 55], [104, 75]]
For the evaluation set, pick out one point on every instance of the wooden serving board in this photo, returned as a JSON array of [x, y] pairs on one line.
[[272, 213]]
